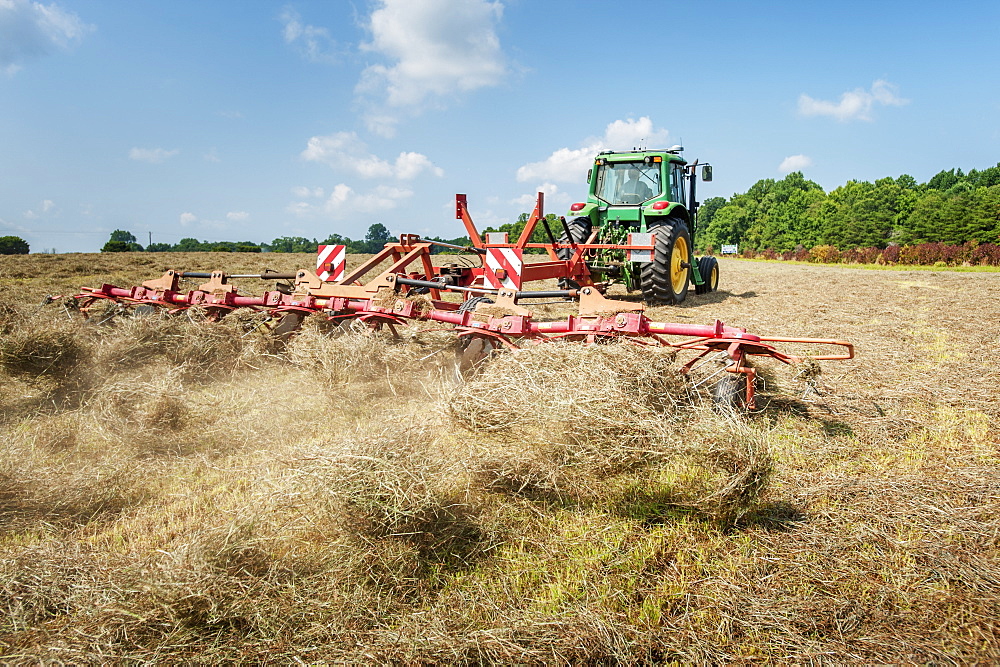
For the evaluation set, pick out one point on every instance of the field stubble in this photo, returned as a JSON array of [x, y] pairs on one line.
[[172, 489]]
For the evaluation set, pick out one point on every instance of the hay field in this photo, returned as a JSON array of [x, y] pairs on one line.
[[175, 490]]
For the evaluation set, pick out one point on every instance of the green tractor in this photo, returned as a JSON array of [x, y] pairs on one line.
[[636, 197]]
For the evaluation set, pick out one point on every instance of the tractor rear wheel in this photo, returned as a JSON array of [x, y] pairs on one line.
[[708, 267], [579, 231], [665, 280]]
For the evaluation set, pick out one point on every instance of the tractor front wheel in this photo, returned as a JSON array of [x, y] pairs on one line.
[[665, 280], [708, 267]]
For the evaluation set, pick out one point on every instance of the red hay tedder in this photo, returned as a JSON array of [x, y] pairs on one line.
[[492, 313]]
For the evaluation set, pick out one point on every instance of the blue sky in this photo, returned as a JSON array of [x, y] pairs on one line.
[[253, 120]]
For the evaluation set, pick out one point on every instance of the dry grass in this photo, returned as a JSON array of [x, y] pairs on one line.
[[573, 422], [173, 490]]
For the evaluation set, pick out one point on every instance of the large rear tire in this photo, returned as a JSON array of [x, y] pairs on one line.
[[666, 279], [579, 231]]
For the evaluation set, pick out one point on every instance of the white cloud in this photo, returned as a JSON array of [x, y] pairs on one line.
[[314, 44], [569, 165], [344, 151], [553, 196], [301, 191], [150, 155], [345, 202], [435, 49], [854, 104], [47, 205], [187, 219], [237, 216], [795, 163], [32, 30]]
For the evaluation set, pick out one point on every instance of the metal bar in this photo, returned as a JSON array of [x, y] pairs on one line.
[[262, 276], [467, 248], [536, 215], [462, 213], [544, 294]]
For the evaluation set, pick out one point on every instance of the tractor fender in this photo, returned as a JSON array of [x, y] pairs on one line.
[[675, 209], [587, 211]]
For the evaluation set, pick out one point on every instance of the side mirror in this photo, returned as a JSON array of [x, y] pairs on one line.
[[589, 173], [706, 173]]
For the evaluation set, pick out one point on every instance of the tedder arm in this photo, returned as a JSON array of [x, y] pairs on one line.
[[394, 297]]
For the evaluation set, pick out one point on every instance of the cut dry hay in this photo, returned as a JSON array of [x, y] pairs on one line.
[[406, 501], [202, 350], [284, 519], [566, 421], [36, 349], [343, 353]]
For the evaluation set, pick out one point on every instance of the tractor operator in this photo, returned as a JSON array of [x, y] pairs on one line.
[[635, 187]]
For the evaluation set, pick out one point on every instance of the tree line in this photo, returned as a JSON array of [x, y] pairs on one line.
[[375, 239], [953, 208]]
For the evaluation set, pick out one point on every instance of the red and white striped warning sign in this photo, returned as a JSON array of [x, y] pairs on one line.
[[503, 268], [330, 262]]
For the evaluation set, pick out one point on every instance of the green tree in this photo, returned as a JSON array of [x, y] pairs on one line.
[[13, 245], [708, 209], [123, 236], [115, 246], [786, 214], [926, 220], [377, 237], [293, 244], [118, 237], [944, 179], [860, 214], [189, 245]]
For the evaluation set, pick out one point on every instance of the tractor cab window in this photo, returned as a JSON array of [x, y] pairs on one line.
[[677, 182], [627, 182]]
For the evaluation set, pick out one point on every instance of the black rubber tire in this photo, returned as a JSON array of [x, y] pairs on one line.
[[579, 231], [472, 351], [664, 281], [708, 267], [729, 394]]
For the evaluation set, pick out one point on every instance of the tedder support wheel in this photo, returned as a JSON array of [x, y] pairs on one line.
[[665, 280], [471, 350], [579, 231], [708, 267], [729, 394]]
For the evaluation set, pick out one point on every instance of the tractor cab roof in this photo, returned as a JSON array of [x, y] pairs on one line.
[[671, 154]]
